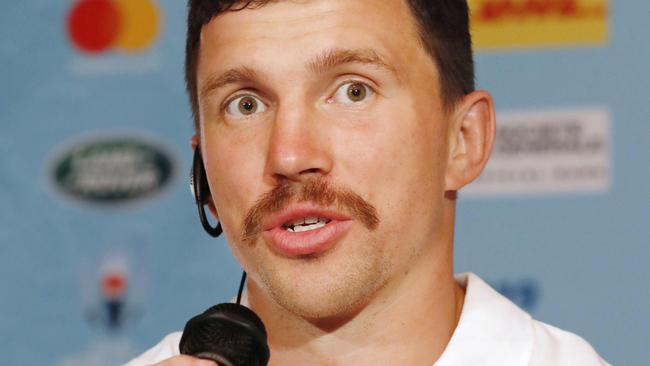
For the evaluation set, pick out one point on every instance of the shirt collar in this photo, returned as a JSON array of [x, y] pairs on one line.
[[491, 331]]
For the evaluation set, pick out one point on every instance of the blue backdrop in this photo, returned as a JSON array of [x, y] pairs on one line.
[[101, 253]]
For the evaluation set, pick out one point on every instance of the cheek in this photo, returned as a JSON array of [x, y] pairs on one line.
[[399, 144], [400, 163], [234, 175]]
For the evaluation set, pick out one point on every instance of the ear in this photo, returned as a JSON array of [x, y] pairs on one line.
[[471, 137], [194, 142]]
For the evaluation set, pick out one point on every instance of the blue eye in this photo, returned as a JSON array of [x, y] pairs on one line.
[[354, 92], [244, 106]]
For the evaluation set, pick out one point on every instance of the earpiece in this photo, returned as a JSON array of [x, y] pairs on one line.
[[201, 192]]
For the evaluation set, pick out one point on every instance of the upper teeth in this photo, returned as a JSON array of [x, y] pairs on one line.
[[306, 223]]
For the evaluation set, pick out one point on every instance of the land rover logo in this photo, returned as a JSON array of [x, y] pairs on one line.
[[112, 170]]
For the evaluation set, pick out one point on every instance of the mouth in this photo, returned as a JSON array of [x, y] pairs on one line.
[[306, 224], [304, 229]]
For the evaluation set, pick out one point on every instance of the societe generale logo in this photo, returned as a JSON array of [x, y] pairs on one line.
[[97, 26]]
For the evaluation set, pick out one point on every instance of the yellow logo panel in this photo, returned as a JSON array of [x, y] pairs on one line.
[[498, 24]]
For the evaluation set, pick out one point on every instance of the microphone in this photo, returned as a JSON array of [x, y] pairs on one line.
[[228, 334]]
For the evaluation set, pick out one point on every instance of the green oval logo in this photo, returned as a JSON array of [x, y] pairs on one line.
[[112, 170]]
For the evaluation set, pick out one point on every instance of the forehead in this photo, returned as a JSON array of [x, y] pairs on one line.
[[281, 34]]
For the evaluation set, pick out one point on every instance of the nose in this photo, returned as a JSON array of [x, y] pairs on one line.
[[298, 145]]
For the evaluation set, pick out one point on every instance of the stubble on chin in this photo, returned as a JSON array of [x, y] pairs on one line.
[[334, 288]]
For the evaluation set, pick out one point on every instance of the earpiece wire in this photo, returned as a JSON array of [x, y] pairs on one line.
[[241, 287]]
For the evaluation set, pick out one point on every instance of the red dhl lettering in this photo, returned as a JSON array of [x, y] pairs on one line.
[[495, 10]]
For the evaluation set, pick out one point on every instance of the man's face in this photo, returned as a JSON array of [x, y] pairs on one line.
[[326, 109]]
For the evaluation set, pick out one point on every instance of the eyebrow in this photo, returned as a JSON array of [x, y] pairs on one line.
[[335, 57], [320, 64], [241, 74]]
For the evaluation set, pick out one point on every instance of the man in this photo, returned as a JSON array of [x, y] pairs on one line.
[[335, 135]]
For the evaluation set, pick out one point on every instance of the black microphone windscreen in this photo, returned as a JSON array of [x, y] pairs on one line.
[[227, 334]]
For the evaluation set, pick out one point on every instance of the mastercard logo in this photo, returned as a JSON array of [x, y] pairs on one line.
[[96, 26]]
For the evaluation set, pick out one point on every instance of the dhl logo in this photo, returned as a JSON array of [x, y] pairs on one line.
[[533, 23]]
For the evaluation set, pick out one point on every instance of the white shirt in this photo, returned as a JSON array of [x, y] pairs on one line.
[[491, 331]]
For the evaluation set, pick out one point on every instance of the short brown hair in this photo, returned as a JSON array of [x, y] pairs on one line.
[[443, 26]]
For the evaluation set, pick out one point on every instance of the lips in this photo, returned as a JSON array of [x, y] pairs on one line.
[[283, 234]]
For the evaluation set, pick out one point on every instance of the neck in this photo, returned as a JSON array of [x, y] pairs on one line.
[[408, 322]]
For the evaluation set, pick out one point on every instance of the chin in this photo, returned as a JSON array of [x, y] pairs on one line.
[[337, 285], [320, 302]]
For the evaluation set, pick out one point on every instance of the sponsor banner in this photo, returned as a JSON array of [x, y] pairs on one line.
[[548, 152], [111, 169], [500, 24]]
